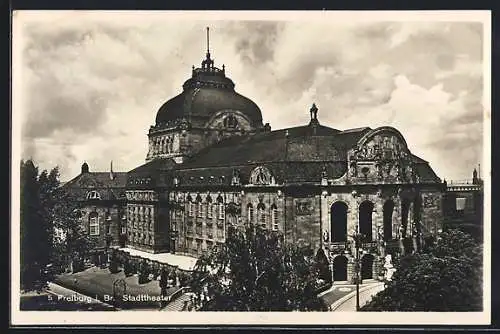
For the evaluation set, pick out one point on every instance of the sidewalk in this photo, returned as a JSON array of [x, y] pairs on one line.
[[348, 302], [182, 261]]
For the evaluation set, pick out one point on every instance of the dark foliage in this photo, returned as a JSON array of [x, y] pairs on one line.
[[50, 229], [113, 263], [255, 271], [446, 277]]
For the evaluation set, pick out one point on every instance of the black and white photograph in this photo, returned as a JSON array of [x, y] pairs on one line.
[[183, 167]]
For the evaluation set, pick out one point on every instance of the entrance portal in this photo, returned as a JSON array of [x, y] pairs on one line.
[[340, 268], [338, 222], [367, 266]]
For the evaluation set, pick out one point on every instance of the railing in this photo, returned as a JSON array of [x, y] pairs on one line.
[[392, 244], [463, 182], [177, 294], [338, 246], [370, 246]]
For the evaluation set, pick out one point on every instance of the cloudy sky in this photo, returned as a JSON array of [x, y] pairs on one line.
[[91, 84]]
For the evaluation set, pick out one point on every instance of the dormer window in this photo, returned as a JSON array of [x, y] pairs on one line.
[[93, 195]]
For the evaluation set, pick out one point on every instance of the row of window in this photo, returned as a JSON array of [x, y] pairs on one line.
[[141, 238], [197, 246], [262, 216], [95, 223], [207, 210]]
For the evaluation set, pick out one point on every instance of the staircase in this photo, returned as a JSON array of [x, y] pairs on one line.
[[179, 304]]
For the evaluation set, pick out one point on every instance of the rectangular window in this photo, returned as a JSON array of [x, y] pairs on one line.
[[250, 214], [275, 219], [460, 203], [221, 211], [189, 229], [94, 226], [262, 217], [124, 229], [200, 210], [209, 211], [191, 209], [220, 233]]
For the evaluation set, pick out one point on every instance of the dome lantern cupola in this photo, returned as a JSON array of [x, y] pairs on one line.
[[208, 75]]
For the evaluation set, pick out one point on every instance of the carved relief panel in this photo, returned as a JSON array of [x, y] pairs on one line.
[[383, 157], [261, 176], [230, 120]]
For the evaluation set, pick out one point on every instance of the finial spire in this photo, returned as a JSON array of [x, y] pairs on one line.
[[314, 115], [208, 41], [111, 174]]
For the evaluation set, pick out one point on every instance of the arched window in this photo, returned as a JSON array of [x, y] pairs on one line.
[[209, 207], [365, 220], [220, 204], [200, 206], [261, 212], [250, 213], [405, 210], [338, 222], [388, 212], [274, 217], [93, 195], [93, 223]]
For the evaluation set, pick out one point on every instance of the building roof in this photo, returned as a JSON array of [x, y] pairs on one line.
[[154, 173], [298, 144], [107, 187]]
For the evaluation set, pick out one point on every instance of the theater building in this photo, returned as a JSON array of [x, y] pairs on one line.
[[212, 163]]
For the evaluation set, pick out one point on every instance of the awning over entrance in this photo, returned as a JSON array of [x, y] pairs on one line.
[[181, 261]]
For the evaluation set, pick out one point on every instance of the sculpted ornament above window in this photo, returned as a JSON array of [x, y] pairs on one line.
[[261, 176], [230, 121]]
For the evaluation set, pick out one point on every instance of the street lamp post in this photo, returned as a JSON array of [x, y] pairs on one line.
[[357, 243], [331, 271]]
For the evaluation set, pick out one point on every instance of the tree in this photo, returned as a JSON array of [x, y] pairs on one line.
[[31, 227], [113, 263], [255, 271], [36, 213], [71, 243], [447, 277]]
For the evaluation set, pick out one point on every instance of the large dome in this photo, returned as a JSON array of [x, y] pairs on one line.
[[206, 93]]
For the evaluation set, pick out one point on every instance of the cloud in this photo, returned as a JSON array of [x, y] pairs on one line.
[[95, 83]]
